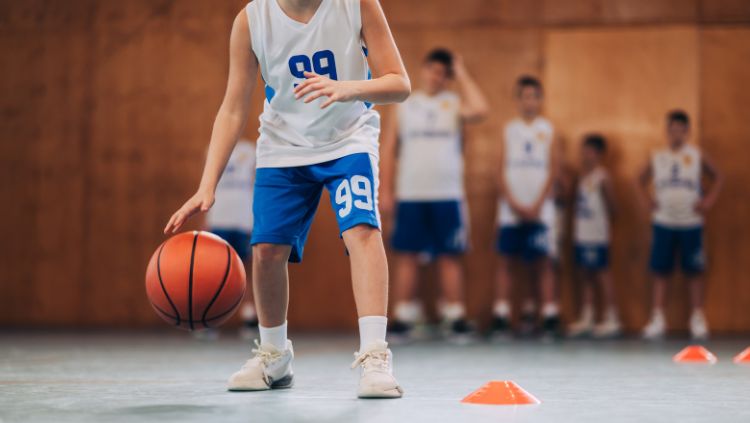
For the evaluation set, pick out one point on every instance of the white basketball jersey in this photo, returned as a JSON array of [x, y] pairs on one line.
[[233, 208], [293, 133], [677, 185], [592, 216], [527, 149], [431, 165]]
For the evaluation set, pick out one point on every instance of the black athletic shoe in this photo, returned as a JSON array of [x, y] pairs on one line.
[[551, 328], [500, 330], [461, 332], [400, 332], [527, 328]]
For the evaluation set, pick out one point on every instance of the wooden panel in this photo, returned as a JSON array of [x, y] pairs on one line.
[[619, 11], [621, 83], [725, 10], [725, 106]]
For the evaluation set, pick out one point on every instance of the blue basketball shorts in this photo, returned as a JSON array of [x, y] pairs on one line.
[[594, 257], [528, 240], [432, 227], [285, 199], [670, 243], [238, 239]]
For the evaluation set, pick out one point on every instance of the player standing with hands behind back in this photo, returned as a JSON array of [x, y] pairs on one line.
[[317, 131]]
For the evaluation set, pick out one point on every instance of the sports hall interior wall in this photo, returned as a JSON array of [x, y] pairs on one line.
[[107, 108]]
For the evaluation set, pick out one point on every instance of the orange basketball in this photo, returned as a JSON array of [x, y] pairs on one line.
[[195, 280]]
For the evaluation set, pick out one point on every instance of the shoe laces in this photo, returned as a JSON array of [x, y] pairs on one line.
[[262, 355], [372, 360]]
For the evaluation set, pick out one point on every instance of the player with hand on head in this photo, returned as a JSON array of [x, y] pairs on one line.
[[678, 204], [317, 131], [423, 179]]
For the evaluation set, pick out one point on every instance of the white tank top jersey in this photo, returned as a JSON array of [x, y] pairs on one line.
[[677, 185], [431, 165], [592, 216], [293, 133], [527, 149], [233, 208]]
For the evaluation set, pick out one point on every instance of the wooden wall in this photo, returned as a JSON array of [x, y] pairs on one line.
[[107, 106]]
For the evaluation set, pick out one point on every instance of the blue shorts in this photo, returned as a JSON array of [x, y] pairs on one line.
[[239, 240], [432, 227], [592, 256], [285, 199], [669, 243], [530, 241]]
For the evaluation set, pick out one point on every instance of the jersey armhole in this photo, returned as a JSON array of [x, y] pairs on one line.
[[250, 10]]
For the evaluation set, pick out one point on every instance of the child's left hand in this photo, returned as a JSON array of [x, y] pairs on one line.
[[703, 205], [318, 86]]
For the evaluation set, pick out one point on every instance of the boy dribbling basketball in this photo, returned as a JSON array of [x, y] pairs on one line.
[[317, 131]]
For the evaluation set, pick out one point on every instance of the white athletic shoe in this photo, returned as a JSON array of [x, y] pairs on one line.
[[608, 328], [698, 326], [656, 328], [581, 328], [376, 375], [268, 369]]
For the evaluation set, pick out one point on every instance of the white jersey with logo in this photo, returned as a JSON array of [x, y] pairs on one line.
[[677, 185], [293, 133], [527, 151], [431, 165], [592, 216], [233, 208]]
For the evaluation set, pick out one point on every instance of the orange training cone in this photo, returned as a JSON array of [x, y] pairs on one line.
[[500, 392], [695, 354], [743, 357]]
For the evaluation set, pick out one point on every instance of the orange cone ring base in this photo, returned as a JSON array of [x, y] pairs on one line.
[[500, 392], [743, 357], [695, 354]]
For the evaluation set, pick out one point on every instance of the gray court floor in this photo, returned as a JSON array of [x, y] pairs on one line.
[[124, 377]]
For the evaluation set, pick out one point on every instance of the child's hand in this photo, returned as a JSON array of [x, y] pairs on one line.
[[703, 205], [317, 86], [200, 202], [386, 202]]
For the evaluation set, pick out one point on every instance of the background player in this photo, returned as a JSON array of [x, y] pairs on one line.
[[424, 148], [526, 211], [595, 204], [678, 209], [231, 218], [317, 130]]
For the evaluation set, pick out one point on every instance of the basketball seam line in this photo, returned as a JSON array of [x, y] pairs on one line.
[[218, 316], [190, 282], [163, 288], [221, 287]]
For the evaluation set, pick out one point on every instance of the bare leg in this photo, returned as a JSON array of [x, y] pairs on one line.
[[659, 292], [547, 282], [407, 266], [607, 284], [369, 269], [271, 283], [697, 291], [503, 280], [451, 279]]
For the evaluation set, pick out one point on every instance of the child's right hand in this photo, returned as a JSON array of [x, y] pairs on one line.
[[200, 202]]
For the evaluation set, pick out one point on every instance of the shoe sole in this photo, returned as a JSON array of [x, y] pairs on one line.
[[396, 392], [285, 382]]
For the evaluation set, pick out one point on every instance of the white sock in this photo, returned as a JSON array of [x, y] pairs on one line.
[[408, 312], [248, 313], [501, 309], [275, 336], [550, 310], [371, 330], [587, 313], [657, 313], [452, 311]]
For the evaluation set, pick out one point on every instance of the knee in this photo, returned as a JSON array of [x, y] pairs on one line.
[[270, 254], [361, 234]]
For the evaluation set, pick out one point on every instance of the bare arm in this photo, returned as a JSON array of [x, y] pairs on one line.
[[474, 107], [555, 163], [717, 181], [388, 158], [608, 193], [389, 83], [229, 123], [644, 180]]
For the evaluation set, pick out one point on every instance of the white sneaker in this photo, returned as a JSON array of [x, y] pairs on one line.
[[698, 326], [268, 369], [580, 329], [376, 378], [608, 328], [656, 328]]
